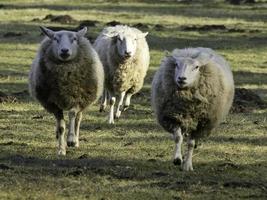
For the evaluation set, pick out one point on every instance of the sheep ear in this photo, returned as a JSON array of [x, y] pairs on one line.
[[202, 58], [111, 35], [167, 53], [170, 58], [142, 35], [48, 32], [82, 32], [120, 37]]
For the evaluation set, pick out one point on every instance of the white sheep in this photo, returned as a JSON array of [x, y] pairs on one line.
[[66, 74], [124, 53], [192, 92]]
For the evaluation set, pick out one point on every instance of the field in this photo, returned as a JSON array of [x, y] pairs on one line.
[[133, 158]]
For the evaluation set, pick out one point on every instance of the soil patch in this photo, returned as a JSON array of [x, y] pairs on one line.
[[11, 143], [37, 117], [59, 28], [13, 34], [217, 27], [160, 174], [159, 27], [77, 172], [204, 27], [246, 101], [64, 19], [88, 23], [113, 23], [141, 26], [235, 184], [13, 97], [84, 156], [4, 98], [5, 167]]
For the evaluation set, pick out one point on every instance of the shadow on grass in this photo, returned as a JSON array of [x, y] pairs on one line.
[[158, 173], [246, 77], [6, 73], [14, 87], [32, 36], [187, 10], [223, 42], [122, 126], [244, 140]]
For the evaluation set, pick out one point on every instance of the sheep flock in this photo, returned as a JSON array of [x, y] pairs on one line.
[[191, 94]]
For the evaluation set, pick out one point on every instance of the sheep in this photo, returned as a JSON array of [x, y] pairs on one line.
[[124, 53], [66, 74], [192, 92]]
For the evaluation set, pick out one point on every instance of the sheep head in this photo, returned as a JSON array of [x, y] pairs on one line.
[[64, 43], [126, 42], [187, 69]]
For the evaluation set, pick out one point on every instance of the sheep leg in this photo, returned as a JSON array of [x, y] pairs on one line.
[[103, 101], [71, 139], [187, 165], [127, 101], [112, 102], [77, 127], [119, 108], [178, 139], [60, 133]]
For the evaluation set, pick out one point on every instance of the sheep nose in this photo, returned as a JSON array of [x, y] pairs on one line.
[[181, 81], [64, 51], [182, 78], [127, 53]]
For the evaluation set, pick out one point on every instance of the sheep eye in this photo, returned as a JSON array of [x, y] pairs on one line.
[[196, 67], [55, 39], [74, 39]]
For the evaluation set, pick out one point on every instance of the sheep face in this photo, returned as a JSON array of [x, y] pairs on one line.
[[64, 43], [126, 42], [187, 70], [126, 45]]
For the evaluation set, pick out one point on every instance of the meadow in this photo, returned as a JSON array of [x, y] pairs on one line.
[[133, 158]]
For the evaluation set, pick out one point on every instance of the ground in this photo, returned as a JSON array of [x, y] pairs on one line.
[[133, 158]]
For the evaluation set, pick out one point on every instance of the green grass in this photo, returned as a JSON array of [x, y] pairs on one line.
[[133, 158]]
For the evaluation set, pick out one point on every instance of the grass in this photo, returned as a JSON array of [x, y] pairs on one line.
[[132, 159]]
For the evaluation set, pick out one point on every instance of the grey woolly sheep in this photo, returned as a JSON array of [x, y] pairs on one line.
[[66, 74], [124, 53], [192, 92]]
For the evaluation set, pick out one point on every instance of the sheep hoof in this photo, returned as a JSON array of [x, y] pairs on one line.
[[61, 152], [125, 108], [71, 144], [117, 116], [187, 167], [101, 109], [111, 122], [198, 144], [177, 161]]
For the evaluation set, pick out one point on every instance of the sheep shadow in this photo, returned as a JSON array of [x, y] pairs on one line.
[[156, 173]]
